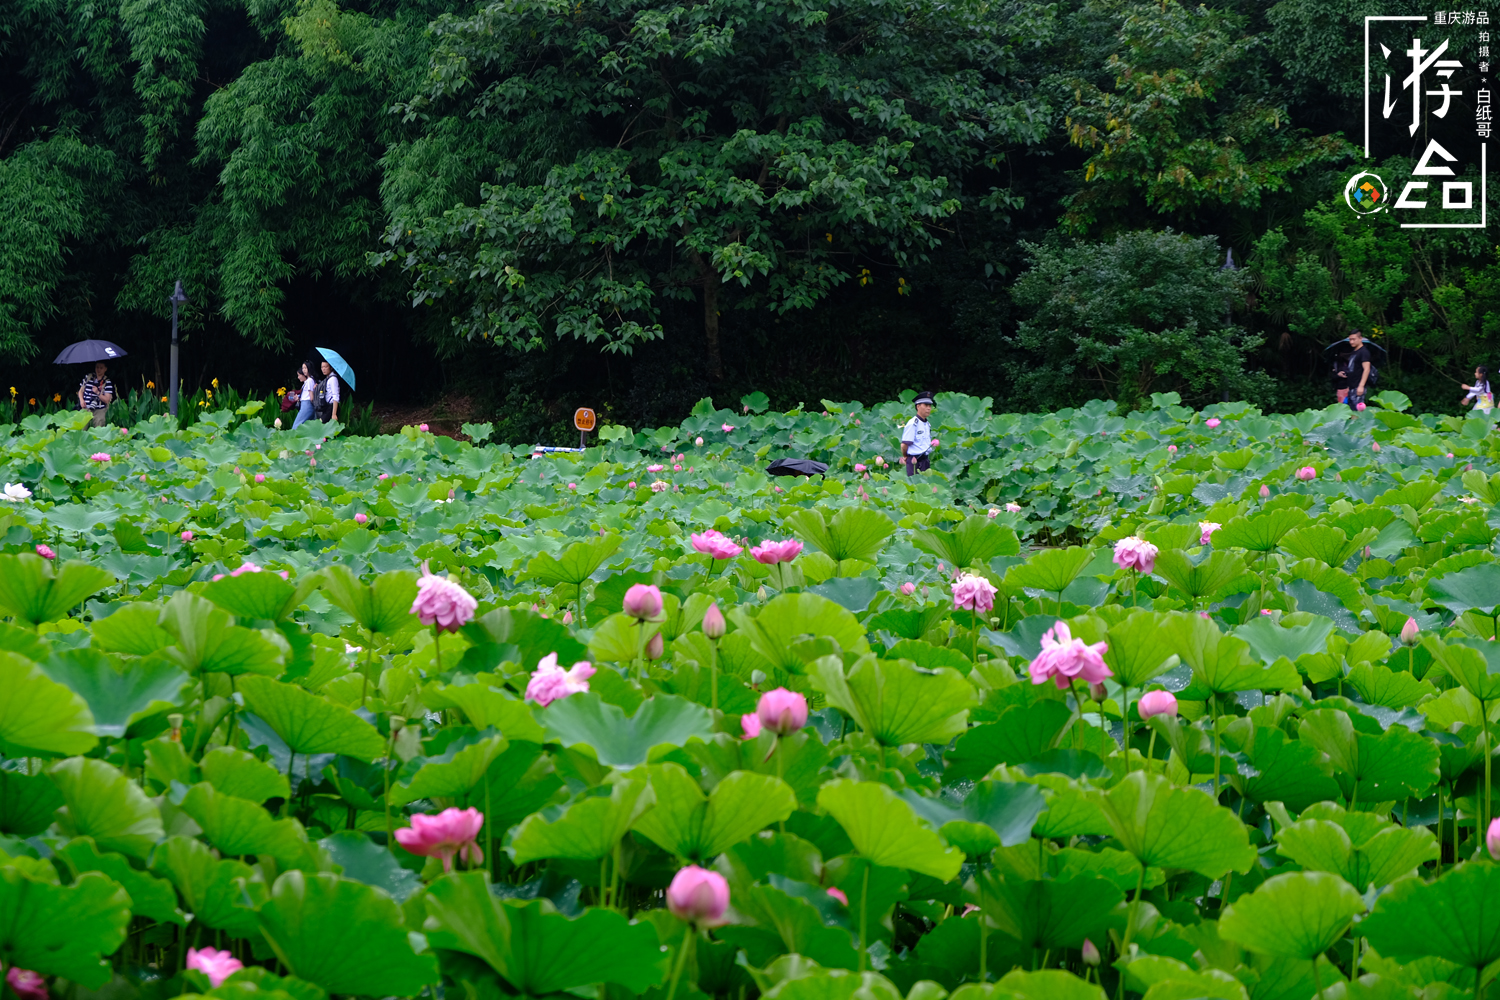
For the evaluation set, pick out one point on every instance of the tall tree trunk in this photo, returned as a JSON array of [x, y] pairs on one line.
[[710, 281]]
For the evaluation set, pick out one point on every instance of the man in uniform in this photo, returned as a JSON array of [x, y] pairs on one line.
[[916, 438]]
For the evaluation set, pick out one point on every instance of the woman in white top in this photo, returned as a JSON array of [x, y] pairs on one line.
[[305, 411], [330, 394]]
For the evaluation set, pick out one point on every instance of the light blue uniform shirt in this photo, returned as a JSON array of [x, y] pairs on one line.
[[917, 436]]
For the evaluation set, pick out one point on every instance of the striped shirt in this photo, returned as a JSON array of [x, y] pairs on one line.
[[92, 390]]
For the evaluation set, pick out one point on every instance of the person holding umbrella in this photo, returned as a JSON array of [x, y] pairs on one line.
[[333, 367], [96, 393]]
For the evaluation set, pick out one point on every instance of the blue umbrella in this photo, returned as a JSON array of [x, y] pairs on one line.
[[89, 350], [339, 365]]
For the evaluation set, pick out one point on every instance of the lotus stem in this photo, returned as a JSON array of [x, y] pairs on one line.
[[864, 919], [687, 941], [1135, 905], [983, 932]]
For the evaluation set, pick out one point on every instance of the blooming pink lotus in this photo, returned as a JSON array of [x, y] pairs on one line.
[[643, 601], [698, 896], [860, 467], [714, 625], [973, 593], [1063, 658], [908, 588], [1307, 473], [1207, 528], [26, 985], [442, 602], [551, 682], [771, 553], [100, 457], [1212, 422], [781, 711], [45, 551], [1157, 703], [1135, 553], [452, 831], [726, 428], [215, 964], [1013, 508], [660, 487]]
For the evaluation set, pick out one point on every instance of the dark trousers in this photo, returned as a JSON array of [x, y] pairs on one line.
[[916, 464]]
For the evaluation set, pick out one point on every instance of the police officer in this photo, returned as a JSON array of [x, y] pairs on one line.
[[916, 438]]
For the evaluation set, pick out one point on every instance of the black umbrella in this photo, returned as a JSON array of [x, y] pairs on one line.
[[796, 467], [89, 350], [1345, 342]]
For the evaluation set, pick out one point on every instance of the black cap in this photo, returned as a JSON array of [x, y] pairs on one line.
[[924, 398]]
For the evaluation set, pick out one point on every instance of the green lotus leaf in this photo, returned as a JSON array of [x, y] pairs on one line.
[[220, 894], [118, 694], [35, 591], [232, 771], [521, 636], [1379, 685], [103, 803], [1048, 914], [205, 641], [454, 772], [1325, 543], [1022, 733], [1222, 663], [585, 829], [487, 706], [361, 859], [238, 827], [618, 740], [1050, 569], [782, 918], [1140, 648], [27, 802], [1073, 809], [1325, 845], [1395, 764], [1169, 827], [38, 716], [1044, 984], [62, 930], [1271, 641], [621, 639], [1296, 915], [698, 827], [576, 564], [1470, 666], [886, 830], [976, 540], [519, 782], [1283, 769], [381, 607], [260, 595], [992, 814], [787, 618], [852, 533], [835, 984], [1476, 588], [309, 723], [1452, 918], [539, 952], [131, 629], [1202, 579], [307, 918], [1163, 978], [1259, 532], [149, 896], [896, 702], [798, 759]]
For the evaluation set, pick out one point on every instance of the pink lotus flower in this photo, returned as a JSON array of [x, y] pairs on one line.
[[714, 625], [993, 512], [572, 486], [1063, 658], [1492, 839], [698, 896], [716, 544], [551, 682], [676, 468], [631, 484], [679, 457], [655, 646], [260, 477], [1409, 632], [26, 985], [1266, 612], [1375, 447], [383, 475], [216, 965], [771, 553], [217, 577], [245, 567], [99, 456], [567, 618], [778, 489], [361, 518], [1089, 953], [1360, 407], [45, 551], [422, 428], [1135, 553], [1449, 455], [838, 894], [442, 602], [1307, 473], [859, 467], [88, 475], [1171, 449], [660, 487], [1207, 528], [1265, 491], [1013, 508], [698, 441], [750, 724], [879, 460], [1212, 422], [726, 428], [781, 711], [1157, 703], [973, 593], [187, 536], [452, 831], [908, 588], [643, 601]]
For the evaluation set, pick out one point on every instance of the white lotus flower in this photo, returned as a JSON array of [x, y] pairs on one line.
[[15, 493]]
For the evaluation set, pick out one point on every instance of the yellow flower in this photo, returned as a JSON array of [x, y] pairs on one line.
[[33, 400], [281, 391], [164, 399], [150, 385], [12, 392], [215, 383], [57, 397]]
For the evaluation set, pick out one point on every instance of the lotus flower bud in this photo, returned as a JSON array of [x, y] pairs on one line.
[[643, 601], [714, 625], [1265, 491], [361, 518], [655, 647], [698, 896], [567, 618], [908, 588], [1409, 632], [187, 536], [1091, 953], [1492, 838], [1097, 692], [782, 711], [45, 551], [1157, 703]]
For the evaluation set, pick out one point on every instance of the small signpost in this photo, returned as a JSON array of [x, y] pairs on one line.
[[583, 419]]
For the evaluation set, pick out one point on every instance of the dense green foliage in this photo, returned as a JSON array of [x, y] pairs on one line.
[[219, 705], [630, 204]]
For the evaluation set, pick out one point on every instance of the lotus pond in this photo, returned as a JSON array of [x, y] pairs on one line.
[[1171, 704]]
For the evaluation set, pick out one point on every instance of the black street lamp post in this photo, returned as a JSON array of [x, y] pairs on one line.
[[178, 299]]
